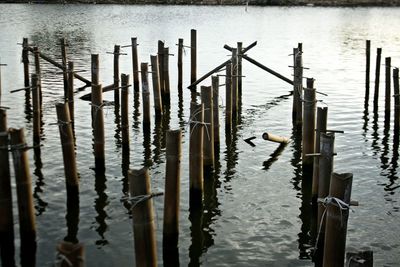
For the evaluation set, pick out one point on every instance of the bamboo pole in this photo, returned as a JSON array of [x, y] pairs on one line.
[[38, 72], [275, 138], [145, 93], [158, 107], [377, 74], [367, 69], [75, 253], [387, 88], [25, 60], [166, 95], [64, 64], [193, 56], [161, 66], [239, 69], [172, 189], [143, 218], [234, 83], [7, 249], [117, 51], [95, 69], [196, 157], [336, 220], [36, 109], [180, 64], [26, 210], [70, 91], [98, 127], [125, 109], [396, 92], [297, 111], [208, 74], [135, 64], [308, 132], [208, 136], [228, 96], [215, 89]]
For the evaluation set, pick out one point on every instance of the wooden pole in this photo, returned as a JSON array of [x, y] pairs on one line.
[[193, 56], [215, 89], [156, 86], [396, 92], [377, 74], [125, 109], [161, 66], [26, 210], [75, 253], [172, 189], [135, 64], [308, 132], [38, 72], [166, 95], [367, 69], [196, 157], [145, 94], [98, 127], [25, 60], [36, 109], [297, 115], [70, 91], [336, 220], [143, 218], [7, 248], [64, 64], [239, 69], [228, 96], [208, 74], [275, 138], [234, 83], [360, 259], [95, 69], [208, 138], [180, 64], [387, 88], [117, 50]]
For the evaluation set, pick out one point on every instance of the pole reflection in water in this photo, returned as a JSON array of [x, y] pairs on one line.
[[28, 106], [375, 135], [117, 121], [274, 156], [165, 125], [72, 217], [41, 205], [385, 146], [157, 132], [147, 162], [100, 203], [136, 112], [181, 115]]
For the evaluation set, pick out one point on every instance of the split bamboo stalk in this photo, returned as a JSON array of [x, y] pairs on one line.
[[396, 92], [70, 91], [234, 83], [98, 127], [308, 132], [377, 74], [145, 93], [161, 66], [135, 64], [36, 109], [193, 56], [297, 116], [7, 248], [208, 135], [180, 64], [25, 60], [64, 64], [387, 88], [367, 69], [26, 210], [228, 95], [156, 86], [215, 89], [117, 51], [166, 95], [125, 109], [143, 218]]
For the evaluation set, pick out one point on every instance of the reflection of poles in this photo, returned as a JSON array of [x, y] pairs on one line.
[[274, 156], [7, 248]]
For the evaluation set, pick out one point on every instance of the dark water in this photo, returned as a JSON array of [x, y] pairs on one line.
[[257, 208]]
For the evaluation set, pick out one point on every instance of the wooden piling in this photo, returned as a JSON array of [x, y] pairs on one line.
[[38, 71], [158, 107], [172, 188], [367, 69], [25, 60], [36, 109], [180, 64], [145, 93], [135, 64], [7, 248], [98, 127], [95, 69], [308, 132], [63, 45], [234, 83], [70, 91], [125, 109], [166, 94], [377, 74], [336, 220], [360, 259], [297, 111], [26, 210], [396, 92], [228, 96], [74, 253], [196, 157], [215, 89], [275, 138], [193, 55], [161, 66], [239, 69], [208, 135], [117, 51], [387, 88], [143, 218]]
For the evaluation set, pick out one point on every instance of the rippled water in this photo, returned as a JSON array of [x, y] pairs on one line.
[[256, 213]]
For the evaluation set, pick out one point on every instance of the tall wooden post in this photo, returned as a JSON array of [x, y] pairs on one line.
[[63, 45], [166, 95], [117, 52], [239, 70], [135, 64], [143, 219], [234, 83], [215, 89], [367, 69], [36, 109], [228, 95], [98, 127], [161, 66], [25, 60], [297, 115], [196, 156], [308, 125], [7, 248], [336, 220], [95, 69], [193, 56], [396, 92], [377, 74], [180, 64], [125, 109], [145, 93], [156, 86], [387, 88], [208, 139], [70, 91], [36, 54], [26, 210]]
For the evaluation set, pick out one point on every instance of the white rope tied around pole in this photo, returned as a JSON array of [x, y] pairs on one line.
[[96, 109], [198, 122], [60, 124], [60, 259], [141, 198]]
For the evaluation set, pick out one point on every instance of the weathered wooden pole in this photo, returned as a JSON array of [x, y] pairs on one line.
[[215, 89], [239, 70], [196, 156], [7, 249], [26, 210], [228, 96], [234, 83], [125, 109], [208, 139], [160, 55], [73, 252], [166, 94], [158, 107], [377, 74], [36, 54], [145, 93], [143, 218], [25, 60], [387, 88], [308, 132], [95, 69], [275, 138], [36, 109], [70, 91], [193, 56], [135, 64], [63, 45], [98, 127], [367, 69], [117, 52], [360, 259], [396, 92], [336, 219], [180, 64], [172, 189], [297, 115]]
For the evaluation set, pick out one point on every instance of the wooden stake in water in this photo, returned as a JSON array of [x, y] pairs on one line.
[[228, 95], [125, 109], [145, 93], [7, 249], [308, 132], [63, 45], [161, 66], [297, 116], [117, 50], [25, 60], [377, 74], [336, 220], [396, 92], [38, 71], [70, 91], [98, 127], [166, 95], [239, 70], [36, 109], [193, 56], [143, 218], [26, 210], [156, 86], [95, 69], [234, 83], [135, 64], [387, 88], [196, 156], [367, 69], [208, 139], [180, 64], [215, 89]]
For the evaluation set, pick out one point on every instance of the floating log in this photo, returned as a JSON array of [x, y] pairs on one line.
[[308, 131], [208, 74], [387, 87], [98, 127], [208, 135], [180, 64], [360, 259], [70, 91], [125, 109], [275, 138], [367, 69], [63, 45], [193, 57], [74, 253], [135, 64], [228, 96], [215, 89], [117, 52], [377, 74], [145, 93], [25, 60], [297, 112], [156, 86]]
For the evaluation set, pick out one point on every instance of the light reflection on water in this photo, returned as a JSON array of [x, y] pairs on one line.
[[257, 207]]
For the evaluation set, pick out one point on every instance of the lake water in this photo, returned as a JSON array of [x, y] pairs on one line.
[[254, 215]]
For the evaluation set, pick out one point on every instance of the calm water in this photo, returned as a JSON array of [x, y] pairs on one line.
[[255, 213]]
